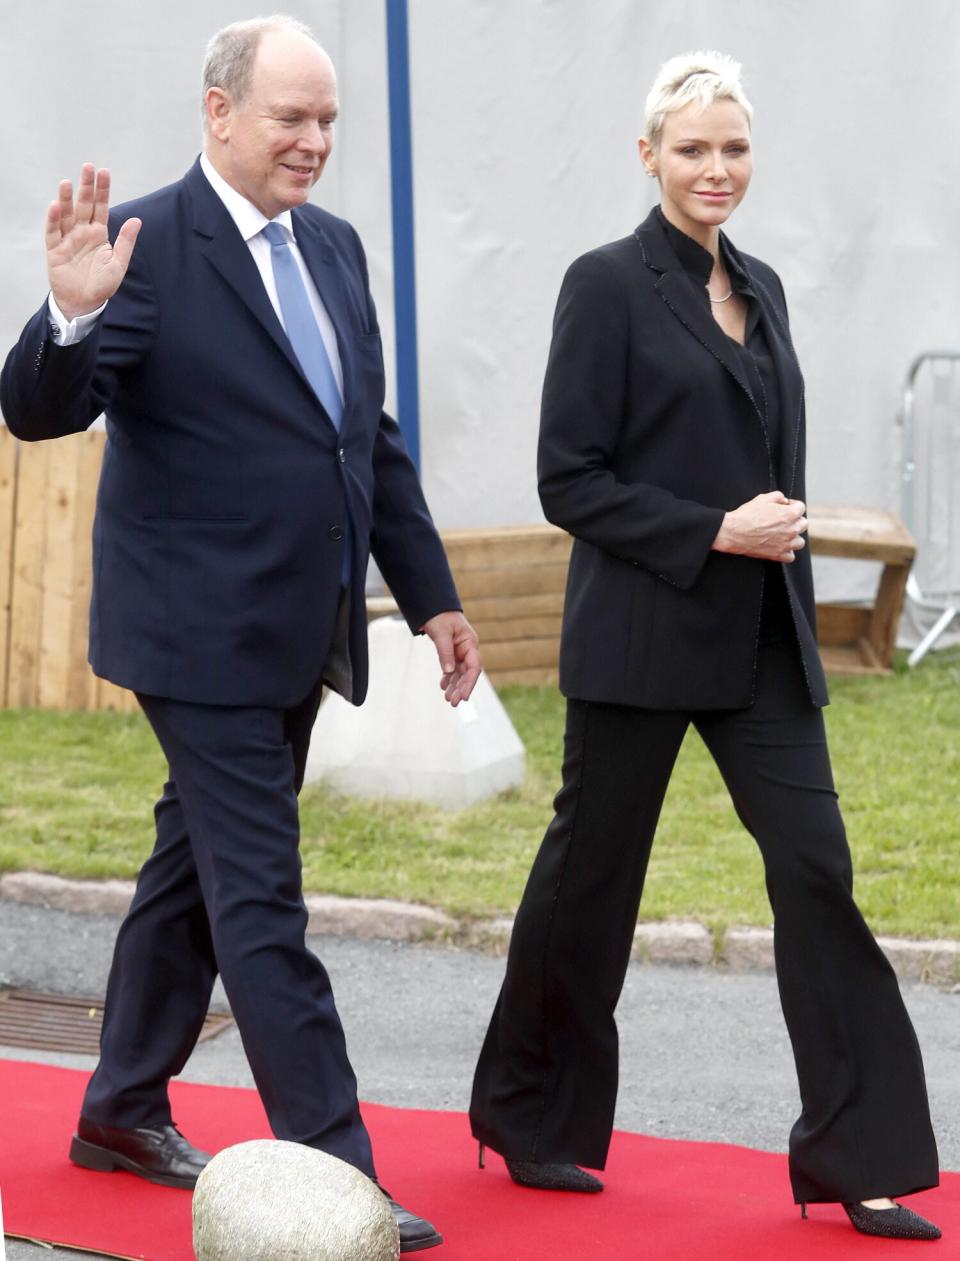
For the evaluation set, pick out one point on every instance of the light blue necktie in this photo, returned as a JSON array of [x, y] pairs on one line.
[[304, 334], [301, 324]]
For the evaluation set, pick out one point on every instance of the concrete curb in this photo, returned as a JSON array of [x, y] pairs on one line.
[[668, 941]]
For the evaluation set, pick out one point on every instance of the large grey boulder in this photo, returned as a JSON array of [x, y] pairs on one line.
[[273, 1201]]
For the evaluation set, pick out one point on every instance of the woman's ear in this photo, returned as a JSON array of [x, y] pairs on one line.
[[647, 157]]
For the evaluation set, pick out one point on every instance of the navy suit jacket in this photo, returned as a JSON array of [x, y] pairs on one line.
[[225, 489], [649, 434]]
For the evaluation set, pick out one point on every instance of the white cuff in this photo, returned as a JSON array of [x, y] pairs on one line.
[[64, 332]]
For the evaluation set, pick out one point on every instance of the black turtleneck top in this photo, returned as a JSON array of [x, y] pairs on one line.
[[759, 375], [758, 372]]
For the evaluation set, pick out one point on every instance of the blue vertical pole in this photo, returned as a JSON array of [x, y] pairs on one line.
[[404, 264]]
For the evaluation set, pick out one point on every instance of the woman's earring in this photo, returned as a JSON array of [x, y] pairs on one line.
[[652, 174]]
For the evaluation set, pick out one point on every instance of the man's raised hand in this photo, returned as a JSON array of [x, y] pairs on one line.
[[83, 267]]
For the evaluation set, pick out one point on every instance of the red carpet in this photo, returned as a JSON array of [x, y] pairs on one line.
[[665, 1200]]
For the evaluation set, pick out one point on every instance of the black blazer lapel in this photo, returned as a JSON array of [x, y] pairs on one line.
[[790, 379], [678, 291]]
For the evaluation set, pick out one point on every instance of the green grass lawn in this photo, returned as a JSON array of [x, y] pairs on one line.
[[76, 793]]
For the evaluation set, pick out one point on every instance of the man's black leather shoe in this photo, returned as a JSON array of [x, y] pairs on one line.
[[416, 1233], [160, 1155]]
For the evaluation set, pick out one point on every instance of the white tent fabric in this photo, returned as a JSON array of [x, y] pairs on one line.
[[524, 121]]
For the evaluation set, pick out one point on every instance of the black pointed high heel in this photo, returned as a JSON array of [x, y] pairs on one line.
[[891, 1223], [548, 1177], [888, 1223]]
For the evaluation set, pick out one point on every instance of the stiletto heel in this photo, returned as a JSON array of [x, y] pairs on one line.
[[803, 1209], [480, 1151], [891, 1223]]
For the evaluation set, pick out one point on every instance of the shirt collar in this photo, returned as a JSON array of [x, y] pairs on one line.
[[249, 220], [698, 262], [692, 256]]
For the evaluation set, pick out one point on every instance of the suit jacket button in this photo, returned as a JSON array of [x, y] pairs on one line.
[[336, 533], [342, 456]]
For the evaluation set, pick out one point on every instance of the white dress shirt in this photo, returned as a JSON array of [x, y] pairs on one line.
[[250, 224]]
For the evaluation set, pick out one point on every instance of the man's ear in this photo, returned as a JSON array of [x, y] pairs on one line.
[[219, 111]]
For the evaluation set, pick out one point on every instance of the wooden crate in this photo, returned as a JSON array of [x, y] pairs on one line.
[[857, 640], [47, 498], [8, 501], [511, 580]]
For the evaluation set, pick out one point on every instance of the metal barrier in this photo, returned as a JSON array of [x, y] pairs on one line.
[[930, 490]]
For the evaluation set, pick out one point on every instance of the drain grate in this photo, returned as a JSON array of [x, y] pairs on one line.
[[59, 1022]]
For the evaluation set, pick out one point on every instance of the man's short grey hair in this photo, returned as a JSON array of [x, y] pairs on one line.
[[233, 50], [703, 77]]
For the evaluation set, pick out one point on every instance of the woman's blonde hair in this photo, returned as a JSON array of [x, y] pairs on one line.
[[704, 77]]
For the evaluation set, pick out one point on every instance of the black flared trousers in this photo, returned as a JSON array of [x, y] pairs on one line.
[[546, 1082]]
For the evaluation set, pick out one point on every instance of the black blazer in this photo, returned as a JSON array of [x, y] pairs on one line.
[[225, 488], [649, 434]]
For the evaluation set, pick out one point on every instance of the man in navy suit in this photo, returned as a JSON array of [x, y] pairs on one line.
[[229, 335]]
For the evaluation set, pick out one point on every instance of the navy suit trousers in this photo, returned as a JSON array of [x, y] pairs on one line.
[[221, 892]]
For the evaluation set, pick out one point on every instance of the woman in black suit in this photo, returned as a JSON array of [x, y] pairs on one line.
[[672, 448]]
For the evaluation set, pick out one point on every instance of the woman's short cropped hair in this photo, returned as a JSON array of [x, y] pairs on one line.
[[704, 77]]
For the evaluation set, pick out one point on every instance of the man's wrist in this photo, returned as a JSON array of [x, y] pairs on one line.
[[440, 613], [66, 331]]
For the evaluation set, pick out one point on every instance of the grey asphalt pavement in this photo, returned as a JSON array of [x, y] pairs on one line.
[[704, 1054]]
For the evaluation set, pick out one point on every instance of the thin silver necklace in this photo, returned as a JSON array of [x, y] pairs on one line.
[[717, 301]]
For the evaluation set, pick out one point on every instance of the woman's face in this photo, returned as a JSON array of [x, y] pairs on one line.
[[704, 163]]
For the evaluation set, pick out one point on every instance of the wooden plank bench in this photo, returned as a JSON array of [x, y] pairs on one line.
[[854, 639], [512, 578]]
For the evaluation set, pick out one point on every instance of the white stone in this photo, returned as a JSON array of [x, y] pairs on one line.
[[935, 961], [266, 1200], [672, 941], [492, 936], [405, 741], [376, 918], [748, 948], [101, 897]]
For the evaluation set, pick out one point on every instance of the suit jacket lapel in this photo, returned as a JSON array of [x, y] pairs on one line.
[[678, 291], [226, 250], [790, 380], [323, 265], [229, 254]]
